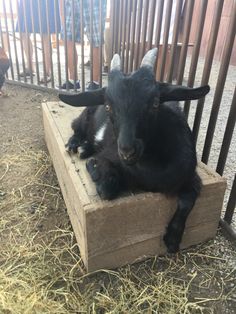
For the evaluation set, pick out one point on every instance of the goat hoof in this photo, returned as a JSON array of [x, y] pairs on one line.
[[108, 188], [92, 169], [171, 243], [73, 144], [85, 150]]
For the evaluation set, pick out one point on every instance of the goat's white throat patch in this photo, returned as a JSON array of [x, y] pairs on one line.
[[100, 133]]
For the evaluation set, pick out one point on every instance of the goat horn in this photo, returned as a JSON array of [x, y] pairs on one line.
[[115, 62], [149, 59]]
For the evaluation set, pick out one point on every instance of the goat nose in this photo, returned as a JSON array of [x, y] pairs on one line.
[[127, 152]]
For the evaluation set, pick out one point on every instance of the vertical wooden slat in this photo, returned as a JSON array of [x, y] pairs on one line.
[[28, 41], [116, 26], [91, 41], [120, 25], [231, 203], [123, 34], [187, 28], [208, 64], [57, 46], [42, 43], [158, 27], [50, 45], [165, 40], [101, 30], [132, 39], [112, 27], [65, 46], [14, 41], [82, 43], [196, 50], [74, 46], [159, 22], [228, 229], [137, 35], [152, 10], [144, 30], [174, 40], [21, 41], [128, 35], [35, 43], [227, 136], [220, 85]]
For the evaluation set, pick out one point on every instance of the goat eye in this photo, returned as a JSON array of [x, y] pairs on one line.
[[108, 108]]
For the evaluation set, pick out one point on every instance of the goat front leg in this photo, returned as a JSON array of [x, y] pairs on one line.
[[106, 175], [186, 201], [85, 148], [79, 141], [79, 136]]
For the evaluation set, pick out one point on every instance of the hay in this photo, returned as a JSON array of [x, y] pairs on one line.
[[41, 270]]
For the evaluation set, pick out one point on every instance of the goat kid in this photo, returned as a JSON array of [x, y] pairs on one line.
[[139, 138]]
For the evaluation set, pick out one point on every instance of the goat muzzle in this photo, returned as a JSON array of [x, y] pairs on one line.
[[127, 155], [131, 155]]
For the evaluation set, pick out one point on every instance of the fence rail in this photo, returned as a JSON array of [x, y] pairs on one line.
[[131, 28]]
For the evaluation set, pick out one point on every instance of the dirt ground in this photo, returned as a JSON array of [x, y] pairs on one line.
[[21, 122], [21, 116], [36, 237]]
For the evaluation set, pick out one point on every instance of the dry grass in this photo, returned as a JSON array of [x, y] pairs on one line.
[[41, 270]]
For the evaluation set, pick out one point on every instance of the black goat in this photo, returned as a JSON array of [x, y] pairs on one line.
[[139, 138]]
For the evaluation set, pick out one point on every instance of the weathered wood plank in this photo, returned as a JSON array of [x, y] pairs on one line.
[[143, 218], [71, 186], [139, 251]]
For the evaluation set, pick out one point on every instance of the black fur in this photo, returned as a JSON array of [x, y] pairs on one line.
[[147, 143]]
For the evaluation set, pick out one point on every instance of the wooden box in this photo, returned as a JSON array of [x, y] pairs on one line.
[[130, 228]]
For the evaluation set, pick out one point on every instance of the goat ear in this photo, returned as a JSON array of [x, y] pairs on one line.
[[176, 92], [91, 98]]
